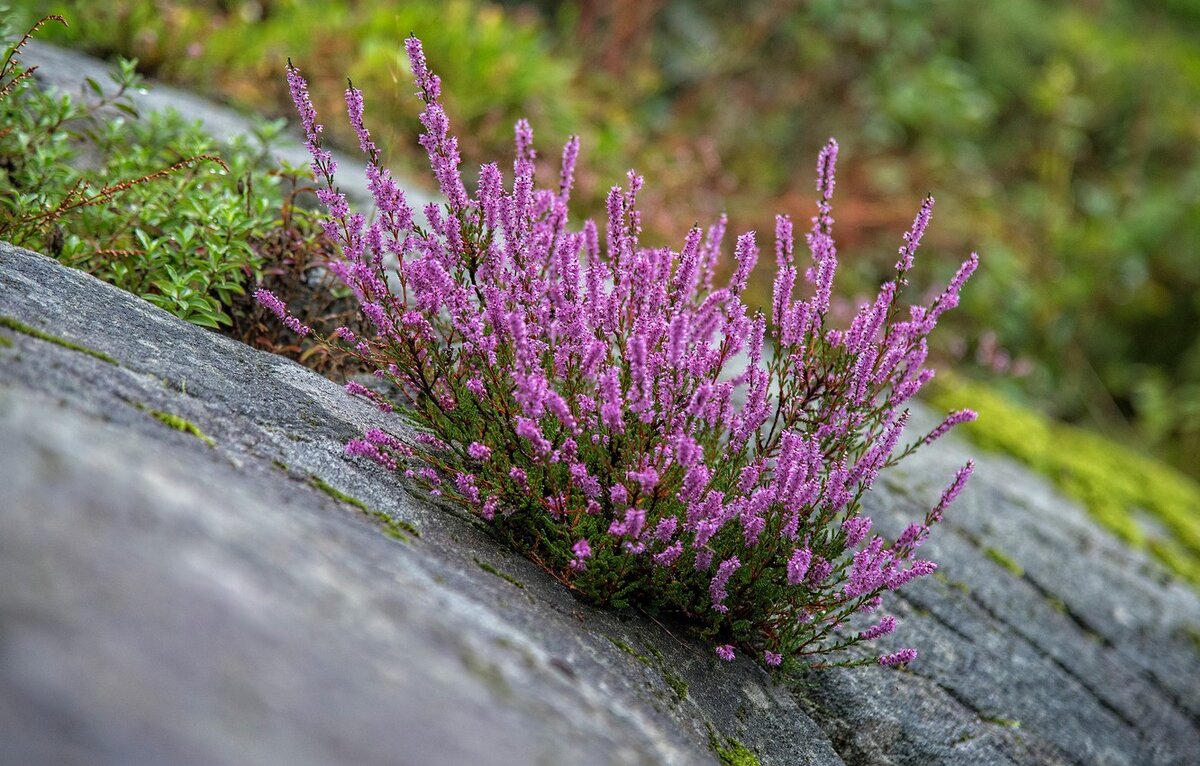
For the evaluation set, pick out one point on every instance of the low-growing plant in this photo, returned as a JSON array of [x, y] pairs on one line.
[[126, 199], [146, 203], [620, 417]]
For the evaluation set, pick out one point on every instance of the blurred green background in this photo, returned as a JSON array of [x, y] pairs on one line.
[[1061, 139]]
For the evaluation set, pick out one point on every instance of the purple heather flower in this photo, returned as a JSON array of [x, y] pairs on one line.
[[952, 491], [953, 419], [582, 551], [272, 303], [518, 475], [856, 530], [826, 169], [902, 577], [465, 483], [668, 556], [912, 537], [363, 448], [752, 528], [488, 509], [912, 238], [635, 520], [882, 628], [665, 529], [625, 384], [797, 566], [896, 659], [716, 588], [725, 652], [818, 571]]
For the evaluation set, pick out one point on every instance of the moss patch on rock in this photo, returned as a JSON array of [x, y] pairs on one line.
[[732, 752], [1114, 483], [181, 424], [394, 528], [1004, 560], [33, 332], [502, 575]]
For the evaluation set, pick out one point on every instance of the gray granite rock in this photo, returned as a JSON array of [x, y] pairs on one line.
[[168, 601]]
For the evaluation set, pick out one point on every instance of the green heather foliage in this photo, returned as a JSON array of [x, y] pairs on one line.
[[619, 415], [1145, 503]]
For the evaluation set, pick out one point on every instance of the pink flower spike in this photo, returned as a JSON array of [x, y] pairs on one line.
[[725, 652], [896, 659]]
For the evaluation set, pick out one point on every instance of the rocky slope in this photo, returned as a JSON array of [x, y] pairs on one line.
[[185, 581]]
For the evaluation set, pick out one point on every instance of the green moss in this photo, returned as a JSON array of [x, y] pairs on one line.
[[182, 424], [634, 653], [677, 684], [502, 575], [33, 332], [393, 528], [1008, 723], [732, 753], [4, 341], [958, 585], [1114, 483], [340, 496], [1192, 634], [1057, 604], [280, 465], [1003, 560]]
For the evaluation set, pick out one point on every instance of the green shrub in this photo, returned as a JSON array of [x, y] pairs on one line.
[[143, 203]]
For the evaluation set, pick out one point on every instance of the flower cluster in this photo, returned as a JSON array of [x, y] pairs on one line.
[[619, 414]]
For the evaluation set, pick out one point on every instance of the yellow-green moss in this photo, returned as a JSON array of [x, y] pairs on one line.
[[1113, 482], [733, 753], [1007, 723], [625, 647], [33, 332], [502, 575], [1003, 560], [4, 341], [394, 528], [181, 424]]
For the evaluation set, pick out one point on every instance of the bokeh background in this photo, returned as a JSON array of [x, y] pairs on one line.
[[1061, 140]]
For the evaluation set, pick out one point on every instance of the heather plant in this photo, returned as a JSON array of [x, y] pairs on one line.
[[620, 415]]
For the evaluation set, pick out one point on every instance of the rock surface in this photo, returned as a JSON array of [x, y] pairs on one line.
[[168, 601]]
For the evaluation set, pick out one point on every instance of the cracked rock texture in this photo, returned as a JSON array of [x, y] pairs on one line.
[[167, 601]]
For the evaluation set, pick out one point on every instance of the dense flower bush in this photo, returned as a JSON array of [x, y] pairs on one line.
[[621, 417]]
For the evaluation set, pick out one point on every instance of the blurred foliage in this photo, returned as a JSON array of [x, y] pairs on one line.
[[1145, 503], [237, 50], [1062, 140]]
